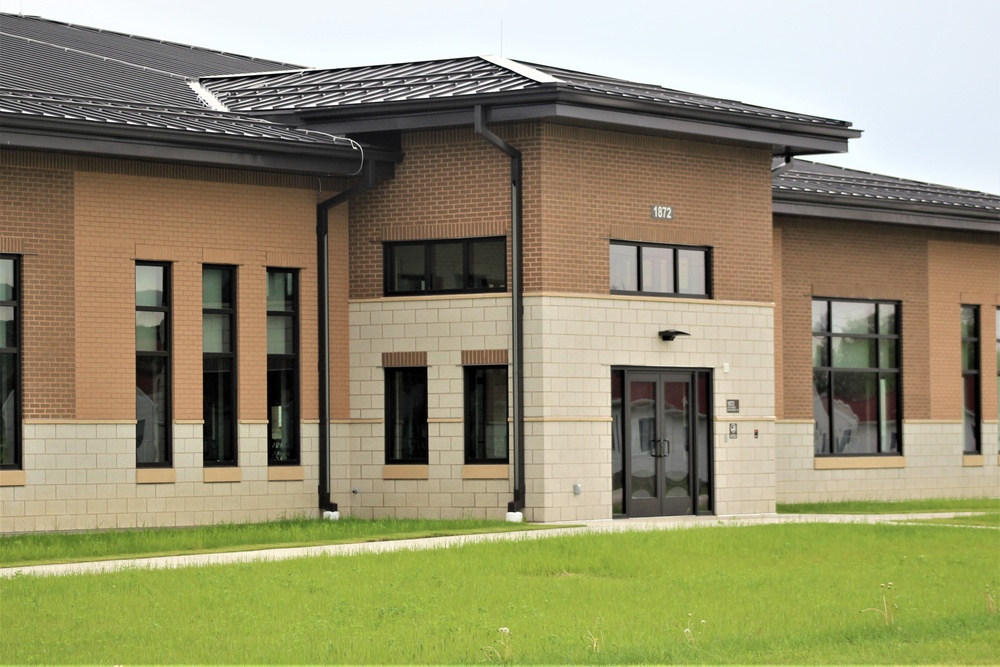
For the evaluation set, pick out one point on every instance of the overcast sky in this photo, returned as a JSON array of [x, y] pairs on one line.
[[920, 77]]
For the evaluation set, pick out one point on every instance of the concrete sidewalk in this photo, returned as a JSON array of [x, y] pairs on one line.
[[558, 529]]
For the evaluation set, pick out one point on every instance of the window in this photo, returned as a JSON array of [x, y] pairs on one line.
[[218, 316], [446, 267], [10, 363], [856, 383], [282, 367], [486, 414], [998, 367], [406, 415], [152, 364], [660, 269], [970, 380]]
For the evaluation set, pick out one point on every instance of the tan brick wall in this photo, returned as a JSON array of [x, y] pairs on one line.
[[36, 222]]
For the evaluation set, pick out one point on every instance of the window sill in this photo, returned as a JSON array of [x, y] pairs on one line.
[[286, 473], [13, 478], [155, 476], [406, 472], [486, 471], [213, 475], [973, 460], [858, 462]]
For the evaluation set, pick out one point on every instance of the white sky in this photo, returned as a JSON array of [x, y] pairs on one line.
[[920, 77]]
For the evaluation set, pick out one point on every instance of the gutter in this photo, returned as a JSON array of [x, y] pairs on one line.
[[515, 506]]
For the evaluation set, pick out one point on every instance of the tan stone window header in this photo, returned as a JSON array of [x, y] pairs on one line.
[[403, 359], [484, 357]]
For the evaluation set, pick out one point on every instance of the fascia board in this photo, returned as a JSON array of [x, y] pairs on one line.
[[885, 216]]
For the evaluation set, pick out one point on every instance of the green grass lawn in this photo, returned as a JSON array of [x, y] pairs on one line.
[[38, 548], [761, 594], [894, 507]]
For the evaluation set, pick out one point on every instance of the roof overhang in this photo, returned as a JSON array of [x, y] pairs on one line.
[[43, 133], [915, 215], [781, 135]]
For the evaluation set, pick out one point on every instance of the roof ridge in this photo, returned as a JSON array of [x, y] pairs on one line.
[[524, 69]]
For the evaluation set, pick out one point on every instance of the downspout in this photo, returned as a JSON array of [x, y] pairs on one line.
[[328, 508], [517, 305]]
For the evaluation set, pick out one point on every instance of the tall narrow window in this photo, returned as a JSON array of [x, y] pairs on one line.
[[406, 415], [856, 384], [282, 367], [486, 414], [998, 367], [970, 380], [10, 363], [152, 364], [218, 315]]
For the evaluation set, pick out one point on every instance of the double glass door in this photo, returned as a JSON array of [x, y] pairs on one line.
[[661, 442]]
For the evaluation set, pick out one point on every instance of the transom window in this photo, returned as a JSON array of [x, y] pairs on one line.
[[10, 363], [856, 383], [443, 267], [660, 269]]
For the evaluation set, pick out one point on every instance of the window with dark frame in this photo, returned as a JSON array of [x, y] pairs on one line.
[[152, 364], [486, 429], [998, 366], [642, 268], [282, 367], [219, 434], [971, 403], [445, 267], [406, 415], [856, 377], [10, 362]]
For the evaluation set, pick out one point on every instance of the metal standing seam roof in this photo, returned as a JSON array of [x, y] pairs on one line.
[[805, 179], [454, 78]]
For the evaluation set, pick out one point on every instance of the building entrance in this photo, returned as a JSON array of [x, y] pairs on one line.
[[661, 442]]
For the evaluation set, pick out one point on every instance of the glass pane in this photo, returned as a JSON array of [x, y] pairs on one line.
[[704, 443], [408, 273], [970, 360], [486, 414], [855, 352], [889, 413], [219, 433], [969, 322], [280, 291], [855, 413], [9, 422], [887, 319], [8, 327], [821, 351], [617, 438], [217, 288], [821, 412], [151, 395], [217, 333], [676, 436], [820, 317], [282, 411], [149, 287], [8, 290], [407, 423], [970, 414], [280, 334], [488, 265], [446, 266], [658, 270], [888, 353], [852, 317], [624, 268], [150, 331], [691, 272], [642, 436]]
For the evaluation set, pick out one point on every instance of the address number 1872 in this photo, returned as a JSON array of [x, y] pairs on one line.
[[662, 212]]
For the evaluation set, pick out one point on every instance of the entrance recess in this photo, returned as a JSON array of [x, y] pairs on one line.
[[661, 442]]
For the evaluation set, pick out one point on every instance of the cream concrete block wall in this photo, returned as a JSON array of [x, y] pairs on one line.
[[933, 466], [442, 327], [82, 476], [571, 345]]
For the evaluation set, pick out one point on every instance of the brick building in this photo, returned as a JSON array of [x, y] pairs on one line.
[[463, 288]]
